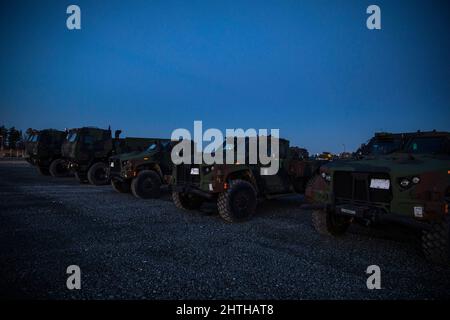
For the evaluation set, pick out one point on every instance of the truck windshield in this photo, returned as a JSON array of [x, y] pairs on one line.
[[72, 136], [34, 138], [152, 147], [228, 146], [428, 145], [243, 146], [380, 147], [239, 145]]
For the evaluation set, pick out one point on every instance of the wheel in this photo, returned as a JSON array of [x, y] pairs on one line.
[[146, 185], [121, 186], [43, 170], [97, 174], [186, 201], [327, 223], [238, 203], [58, 168], [435, 242], [81, 177]]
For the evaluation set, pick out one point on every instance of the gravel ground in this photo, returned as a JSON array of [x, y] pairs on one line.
[[132, 249]]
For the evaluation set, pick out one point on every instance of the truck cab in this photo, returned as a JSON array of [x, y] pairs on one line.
[[88, 149], [43, 150]]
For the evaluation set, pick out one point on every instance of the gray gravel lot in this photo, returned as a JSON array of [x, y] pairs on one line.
[[132, 249]]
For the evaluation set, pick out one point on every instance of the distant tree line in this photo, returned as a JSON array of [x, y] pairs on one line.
[[12, 138]]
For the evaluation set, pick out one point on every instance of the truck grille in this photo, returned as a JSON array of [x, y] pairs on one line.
[[355, 186], [184, 175]]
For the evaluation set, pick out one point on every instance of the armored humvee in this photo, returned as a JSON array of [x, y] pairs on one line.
[[235, 187], [410, 186], [43, 150], [88, 149], [144, 172]]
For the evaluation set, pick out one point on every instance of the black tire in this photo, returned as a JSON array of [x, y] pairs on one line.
[[435, 242], [43, 170], [121, 186], [186, 201], [146, 185], [97, 174], [58, 168], [238, 203], [329, 224], [81, 177]]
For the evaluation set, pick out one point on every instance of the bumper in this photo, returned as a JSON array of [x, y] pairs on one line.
[[117, 176], [371, 215], [37, 161]]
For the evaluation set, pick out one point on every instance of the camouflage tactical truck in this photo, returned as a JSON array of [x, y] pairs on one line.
[[410, 187], [88, 149], [43, 150], [236, 187], [142, 172]]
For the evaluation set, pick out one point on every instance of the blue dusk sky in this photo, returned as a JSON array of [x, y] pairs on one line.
[[310, 68]]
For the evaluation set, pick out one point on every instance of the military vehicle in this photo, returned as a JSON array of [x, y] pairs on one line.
[[88, 149], [410, 186], [43, 150], [144, 172], [235, 187]]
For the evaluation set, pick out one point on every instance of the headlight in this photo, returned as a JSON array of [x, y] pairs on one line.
[[326, 176], [404, 183], [407, 182]]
